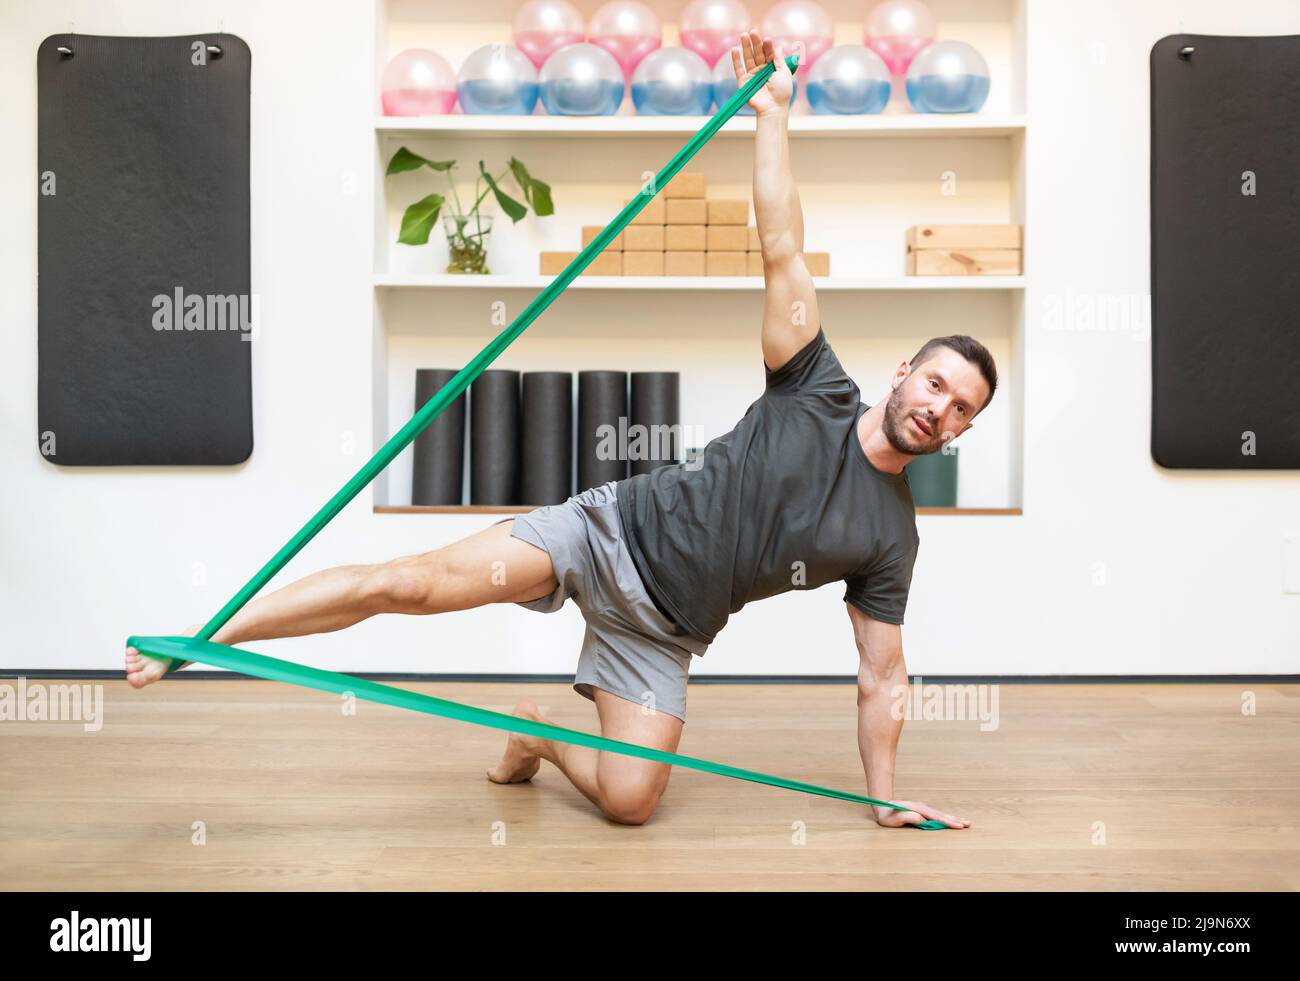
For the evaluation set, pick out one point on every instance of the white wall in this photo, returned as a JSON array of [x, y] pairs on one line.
[[1191, 562]]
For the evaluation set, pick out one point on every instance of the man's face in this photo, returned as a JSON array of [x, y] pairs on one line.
[[933, 403]]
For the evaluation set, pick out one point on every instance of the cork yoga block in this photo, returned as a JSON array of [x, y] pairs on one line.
[[685, 184], [727, 238], [724, 263], [589, 232], [684, 263], [685, 238], [725, 211], [643, 263], [686, 211], [605, 264], [652, 214], [643, 238]]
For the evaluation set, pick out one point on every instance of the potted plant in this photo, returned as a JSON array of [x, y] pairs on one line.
[[467, 231]]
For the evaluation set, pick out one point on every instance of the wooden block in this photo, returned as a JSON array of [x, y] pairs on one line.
[[651, 214], [606, 264], [642, 263], [684, 238], [686, 211], [727, 238], [591, 231], [643, 238], [553, 263], [970, 262], [754, 244], [818, 263], [753, 263], [724, 263], [964, 237], [685, 184], [684, 263], [728, 211]]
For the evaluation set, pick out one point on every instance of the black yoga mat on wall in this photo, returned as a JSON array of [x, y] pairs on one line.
[[143, 250], [602, 402], [439, 452], [655, 410], [546, 456], [1225, 264], [494, 437]]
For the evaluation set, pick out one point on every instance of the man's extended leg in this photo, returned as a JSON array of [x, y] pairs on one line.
[[487, 567], [626, 788]]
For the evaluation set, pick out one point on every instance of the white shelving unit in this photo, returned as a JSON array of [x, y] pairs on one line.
[[862, 181], [660, 283], [621, 127]]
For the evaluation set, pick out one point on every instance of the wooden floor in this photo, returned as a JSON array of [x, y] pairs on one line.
[[1080, 787]]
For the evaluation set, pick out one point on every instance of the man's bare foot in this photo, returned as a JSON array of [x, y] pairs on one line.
[[143, 669], [520, 761]]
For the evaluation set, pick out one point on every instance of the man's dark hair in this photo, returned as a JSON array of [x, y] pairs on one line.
[[970, 349]]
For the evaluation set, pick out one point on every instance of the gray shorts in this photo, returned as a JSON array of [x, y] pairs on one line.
[[630, 649]]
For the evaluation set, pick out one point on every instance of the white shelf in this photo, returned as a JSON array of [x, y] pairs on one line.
[[903, 125], [661, 283]]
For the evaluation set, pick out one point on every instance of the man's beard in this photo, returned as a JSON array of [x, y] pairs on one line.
[[900, 432]]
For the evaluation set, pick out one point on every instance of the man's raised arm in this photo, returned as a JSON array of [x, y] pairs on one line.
[[882, 674], [790, 316]]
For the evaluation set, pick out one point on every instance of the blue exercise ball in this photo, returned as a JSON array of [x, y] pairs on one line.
[[849, 79], [948, 76], [672, 82], [581, 80], [499, 80], [724, 84]]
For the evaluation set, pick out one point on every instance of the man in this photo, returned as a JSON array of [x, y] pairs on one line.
[[807, 489]]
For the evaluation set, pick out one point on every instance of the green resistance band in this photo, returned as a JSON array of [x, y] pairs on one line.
[[272, 669], [200, 648]]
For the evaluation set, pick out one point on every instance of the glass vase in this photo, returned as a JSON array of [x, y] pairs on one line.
[[467, 243]]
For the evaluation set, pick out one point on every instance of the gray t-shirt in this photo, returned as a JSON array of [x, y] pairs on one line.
[[786, 500]]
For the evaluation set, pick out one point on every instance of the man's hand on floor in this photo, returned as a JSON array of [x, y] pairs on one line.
[[919, 811]]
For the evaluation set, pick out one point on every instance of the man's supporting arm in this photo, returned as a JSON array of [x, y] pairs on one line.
[[881, 670], [882, 681], [790, 316]]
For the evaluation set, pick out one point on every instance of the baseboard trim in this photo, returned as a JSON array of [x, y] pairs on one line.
[[716, 679]]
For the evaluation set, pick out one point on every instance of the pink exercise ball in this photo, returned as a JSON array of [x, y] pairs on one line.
[[542, 27], [627, 29], [712, 27], [799, 25], [897, 30], [418, 82]]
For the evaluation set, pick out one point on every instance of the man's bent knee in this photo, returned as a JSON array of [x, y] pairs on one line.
[[630, 804], [405, 585]]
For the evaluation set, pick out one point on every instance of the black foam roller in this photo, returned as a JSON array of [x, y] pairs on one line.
[[602, 401], [655, 436], [439, 466], [546, 454], [494, 438]]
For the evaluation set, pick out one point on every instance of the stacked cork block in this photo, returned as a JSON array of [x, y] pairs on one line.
[[681, 232], [964, 250]]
